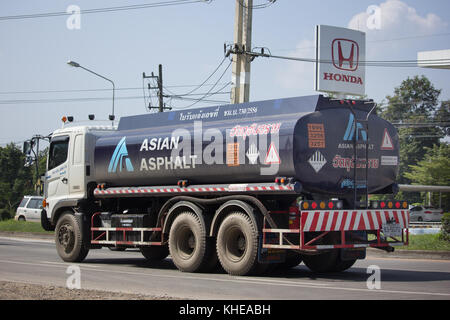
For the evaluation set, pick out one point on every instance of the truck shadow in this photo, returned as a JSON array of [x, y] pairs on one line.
[[355, 274], [358, 274]]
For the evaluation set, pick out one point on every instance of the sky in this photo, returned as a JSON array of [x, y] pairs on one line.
[[188, 40]]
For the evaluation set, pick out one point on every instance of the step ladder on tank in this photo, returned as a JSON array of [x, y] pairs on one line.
[[361, 137]]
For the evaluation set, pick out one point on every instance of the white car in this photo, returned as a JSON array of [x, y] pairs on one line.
[[29, 209], [422, 213]]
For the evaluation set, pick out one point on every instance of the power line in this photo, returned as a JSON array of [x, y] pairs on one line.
[[93, 99], [373, 63], [203, 83], [102, 10], [98, 89], [375, 41], [208, 93]]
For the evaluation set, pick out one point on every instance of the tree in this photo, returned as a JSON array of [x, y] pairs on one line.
[[434, 169], [15, 179], [415, 101]]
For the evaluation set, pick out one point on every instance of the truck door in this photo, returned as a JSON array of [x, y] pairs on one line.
[[57, 179], [77, 166]]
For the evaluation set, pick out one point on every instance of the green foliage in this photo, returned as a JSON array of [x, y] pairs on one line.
[[434, 169], [445, 229], [415, 101], [5, 214], [15, 179]]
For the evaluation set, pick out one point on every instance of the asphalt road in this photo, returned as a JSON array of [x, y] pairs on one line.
[[36, 261]]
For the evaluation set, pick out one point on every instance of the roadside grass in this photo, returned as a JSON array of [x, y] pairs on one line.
[[22, 226], [429, 242]]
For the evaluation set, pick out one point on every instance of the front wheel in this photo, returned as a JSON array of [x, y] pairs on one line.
[[70, 244]]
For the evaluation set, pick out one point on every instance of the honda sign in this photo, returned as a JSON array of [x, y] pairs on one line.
[[340, 53]]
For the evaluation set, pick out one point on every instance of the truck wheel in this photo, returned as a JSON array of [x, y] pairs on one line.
[[155, 253], [188, 245], [343, 265], [70, 244], [324, 262], [293, 259], [237, 244]]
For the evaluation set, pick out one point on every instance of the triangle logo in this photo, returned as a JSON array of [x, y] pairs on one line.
[[387, 144], [272, 156]]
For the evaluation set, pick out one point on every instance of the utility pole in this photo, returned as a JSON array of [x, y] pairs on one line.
[[160, 90], [240, 92], [159, 81]]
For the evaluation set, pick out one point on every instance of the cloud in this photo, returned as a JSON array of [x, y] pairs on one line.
[[396, 18]]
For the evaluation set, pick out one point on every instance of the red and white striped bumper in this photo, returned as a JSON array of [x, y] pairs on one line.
[[356, 220]]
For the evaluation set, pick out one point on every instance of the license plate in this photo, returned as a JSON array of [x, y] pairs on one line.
[[391, 229]]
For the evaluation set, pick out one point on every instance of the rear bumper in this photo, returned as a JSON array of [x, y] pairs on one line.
[[339, 229]]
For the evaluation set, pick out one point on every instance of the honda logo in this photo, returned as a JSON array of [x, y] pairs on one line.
[[345, 54]]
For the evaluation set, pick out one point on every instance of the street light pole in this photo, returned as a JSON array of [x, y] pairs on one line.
[[77, 65]]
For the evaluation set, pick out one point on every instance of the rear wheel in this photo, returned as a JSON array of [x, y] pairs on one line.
[[323, 262], [189, 248], [155, 253], [70, 244], [343, 265], [328, 262], [293, 259], [237, 244]]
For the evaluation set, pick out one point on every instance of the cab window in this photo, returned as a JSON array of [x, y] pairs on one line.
[[58, 151]]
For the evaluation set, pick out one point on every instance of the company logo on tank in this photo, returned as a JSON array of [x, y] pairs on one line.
[[186, 149]]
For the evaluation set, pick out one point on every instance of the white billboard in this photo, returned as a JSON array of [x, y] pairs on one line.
[[340, 55]]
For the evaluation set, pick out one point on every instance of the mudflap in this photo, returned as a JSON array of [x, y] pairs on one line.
[[266, 255], [355, 253]]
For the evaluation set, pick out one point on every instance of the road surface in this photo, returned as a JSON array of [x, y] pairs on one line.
[[36, 261]]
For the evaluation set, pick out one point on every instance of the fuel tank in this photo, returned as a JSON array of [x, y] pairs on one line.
[[312, 139]]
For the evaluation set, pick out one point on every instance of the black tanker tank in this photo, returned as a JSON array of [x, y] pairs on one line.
[[311, 139]]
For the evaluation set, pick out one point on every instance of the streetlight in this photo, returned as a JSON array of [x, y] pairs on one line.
[[77, 65]]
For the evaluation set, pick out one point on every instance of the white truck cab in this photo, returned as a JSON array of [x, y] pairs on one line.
[[70, 166]]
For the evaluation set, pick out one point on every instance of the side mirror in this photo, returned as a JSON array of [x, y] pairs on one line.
[[27, 147]]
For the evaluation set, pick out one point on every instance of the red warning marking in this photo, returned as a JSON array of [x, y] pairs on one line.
[[387, 141], [272, 156]]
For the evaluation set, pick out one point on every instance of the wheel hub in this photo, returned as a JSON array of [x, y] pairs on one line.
[[66, 237]]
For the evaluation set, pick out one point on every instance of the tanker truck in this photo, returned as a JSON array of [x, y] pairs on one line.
[[248, 187]]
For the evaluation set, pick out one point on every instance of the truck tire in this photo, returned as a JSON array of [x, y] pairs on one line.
[[189, 248], [155, 253], [237, 244], [293, 259], [324, 262], [70, 245], [342, 265]]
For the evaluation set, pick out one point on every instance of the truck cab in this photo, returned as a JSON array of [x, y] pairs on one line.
[[70, 167]]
